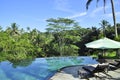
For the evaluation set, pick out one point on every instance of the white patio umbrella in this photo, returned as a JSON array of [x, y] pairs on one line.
[[104, 43]]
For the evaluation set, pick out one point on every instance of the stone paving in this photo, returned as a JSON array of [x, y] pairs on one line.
[[70, 73]]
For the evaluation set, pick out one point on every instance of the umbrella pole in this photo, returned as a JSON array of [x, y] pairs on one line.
[[103, 53]]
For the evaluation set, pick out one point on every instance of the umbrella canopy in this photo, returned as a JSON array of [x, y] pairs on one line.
[[104, 43]]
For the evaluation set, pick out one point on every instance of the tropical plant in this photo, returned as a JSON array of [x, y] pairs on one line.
[[113, 12], [104, 24], [59, 28]]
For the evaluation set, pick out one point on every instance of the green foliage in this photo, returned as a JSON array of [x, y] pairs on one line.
[[71, 50], [117, 38], [63, 40], [64, 37], [109, 54]]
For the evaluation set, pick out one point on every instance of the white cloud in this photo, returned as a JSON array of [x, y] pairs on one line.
[[77, 15], [98, 10], [117, 13], [63, 5], [111, 15]]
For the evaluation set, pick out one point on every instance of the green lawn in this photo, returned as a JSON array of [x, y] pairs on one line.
[[108, 55]]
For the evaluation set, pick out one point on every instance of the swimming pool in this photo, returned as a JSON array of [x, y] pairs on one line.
[[39, 68]]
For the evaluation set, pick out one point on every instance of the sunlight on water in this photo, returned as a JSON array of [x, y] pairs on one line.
[[59, 62]]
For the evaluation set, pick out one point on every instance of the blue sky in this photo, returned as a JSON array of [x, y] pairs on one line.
[[34, 13]]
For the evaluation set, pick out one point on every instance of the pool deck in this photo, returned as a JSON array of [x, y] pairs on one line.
[[70, 73]]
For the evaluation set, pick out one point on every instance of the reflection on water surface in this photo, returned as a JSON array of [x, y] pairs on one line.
[[39, 68]]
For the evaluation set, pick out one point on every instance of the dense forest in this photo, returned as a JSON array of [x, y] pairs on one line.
[[63, 37]]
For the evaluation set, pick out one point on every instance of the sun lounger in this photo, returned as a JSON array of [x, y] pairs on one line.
[[97, 69], [117, 60], [115, 64], [88, 71]]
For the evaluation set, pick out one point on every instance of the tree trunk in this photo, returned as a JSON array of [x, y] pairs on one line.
[[114, 19]]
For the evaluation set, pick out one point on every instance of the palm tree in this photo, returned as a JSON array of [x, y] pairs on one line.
[[28, 29], [14, 29], [113, 12], [104, 24]]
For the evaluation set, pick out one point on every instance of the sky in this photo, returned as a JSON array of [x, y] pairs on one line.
[[34, 13]]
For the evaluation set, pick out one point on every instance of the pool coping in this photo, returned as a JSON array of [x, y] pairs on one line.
[[60, 70]]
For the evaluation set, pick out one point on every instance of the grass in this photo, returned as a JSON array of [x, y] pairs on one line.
[[107, 55]]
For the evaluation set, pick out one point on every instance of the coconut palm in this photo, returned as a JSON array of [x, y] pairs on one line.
[[113, 12], [14, 29], [104, 24]]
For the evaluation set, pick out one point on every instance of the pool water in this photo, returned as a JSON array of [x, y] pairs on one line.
[[39, 68]]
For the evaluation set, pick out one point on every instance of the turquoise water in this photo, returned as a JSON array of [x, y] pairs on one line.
[[39, 68]]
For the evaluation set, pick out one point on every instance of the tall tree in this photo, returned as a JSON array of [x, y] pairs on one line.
[[59, 27], [104, 24], [14, 28], [28, 29], [113, 12]]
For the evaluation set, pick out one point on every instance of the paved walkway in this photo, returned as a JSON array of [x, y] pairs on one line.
[[70, 73]]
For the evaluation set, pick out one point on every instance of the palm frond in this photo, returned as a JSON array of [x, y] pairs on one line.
[[97, 3], [104, 5], [88, 3]]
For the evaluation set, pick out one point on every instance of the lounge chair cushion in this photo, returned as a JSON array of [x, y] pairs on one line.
[[116, 63], [117, 60], [98, 68]]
